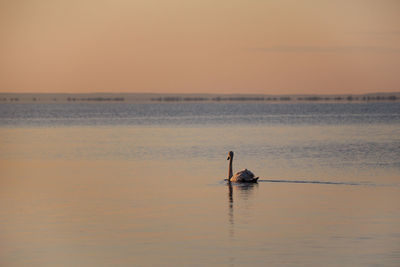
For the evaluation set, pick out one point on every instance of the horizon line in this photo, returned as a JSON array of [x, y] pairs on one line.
[[175, 93]]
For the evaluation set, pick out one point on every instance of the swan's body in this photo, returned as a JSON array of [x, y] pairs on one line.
[[244, 176]]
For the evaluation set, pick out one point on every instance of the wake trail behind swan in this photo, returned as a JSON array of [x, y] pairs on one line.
[[315, 182]]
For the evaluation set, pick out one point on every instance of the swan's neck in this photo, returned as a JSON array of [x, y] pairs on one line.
[[230, 169]]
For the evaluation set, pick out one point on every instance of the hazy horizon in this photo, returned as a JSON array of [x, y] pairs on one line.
[[194, 93]]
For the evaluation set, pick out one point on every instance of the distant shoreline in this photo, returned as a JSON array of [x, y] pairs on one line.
[[157, 98]]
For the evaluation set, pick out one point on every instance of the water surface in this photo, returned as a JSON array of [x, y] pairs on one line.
[[143, 184]]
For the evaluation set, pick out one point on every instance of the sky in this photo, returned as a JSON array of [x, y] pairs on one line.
[[200, 46]]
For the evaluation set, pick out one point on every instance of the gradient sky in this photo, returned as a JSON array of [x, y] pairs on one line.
[[200, 46]]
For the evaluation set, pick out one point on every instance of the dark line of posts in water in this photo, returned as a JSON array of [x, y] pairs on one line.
[[69, 99], [321, 98], [283, 99]]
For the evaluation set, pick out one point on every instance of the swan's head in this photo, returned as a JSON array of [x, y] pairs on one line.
[[230, 155]]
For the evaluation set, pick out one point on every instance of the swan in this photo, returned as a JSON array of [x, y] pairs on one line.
[[244, 176]]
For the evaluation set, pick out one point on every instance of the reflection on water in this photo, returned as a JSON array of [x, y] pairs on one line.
[[244, 192], [230, 213]]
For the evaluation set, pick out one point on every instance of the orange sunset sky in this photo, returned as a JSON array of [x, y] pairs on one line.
[[200, 46]]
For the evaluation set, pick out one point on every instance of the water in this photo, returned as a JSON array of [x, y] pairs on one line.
[[200, 114], [143, 184]]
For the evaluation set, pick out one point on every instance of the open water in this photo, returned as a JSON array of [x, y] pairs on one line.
[[100, 184]]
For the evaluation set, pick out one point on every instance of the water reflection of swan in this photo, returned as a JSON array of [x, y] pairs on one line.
[[244, 176], [244, 190]]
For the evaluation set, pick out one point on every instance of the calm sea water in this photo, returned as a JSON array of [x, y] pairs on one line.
[[143, 184]]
